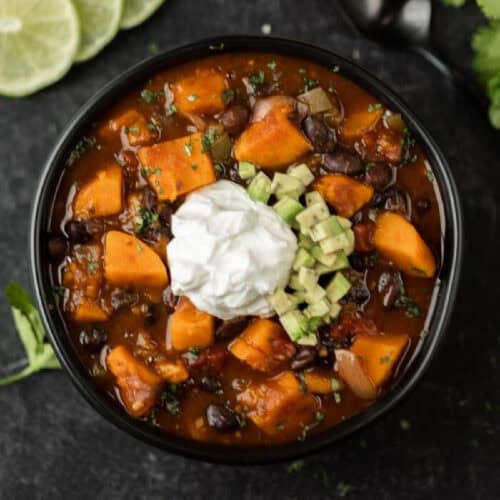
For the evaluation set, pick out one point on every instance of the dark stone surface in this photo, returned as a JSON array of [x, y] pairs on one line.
[[53, 445]]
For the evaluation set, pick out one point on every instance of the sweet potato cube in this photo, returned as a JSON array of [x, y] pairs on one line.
[[190, 327], [344, 194], [318, 382], [359, 120], [272, 142], [177, 167], [100, 196], [379, 353], [134, 126], [278, 403], [130, 262], [398, 240], [255, 345], [170, 371], [89, 311], [200, 92], [138, 384]]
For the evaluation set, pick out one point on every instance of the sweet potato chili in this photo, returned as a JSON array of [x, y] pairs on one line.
[[313, 160]]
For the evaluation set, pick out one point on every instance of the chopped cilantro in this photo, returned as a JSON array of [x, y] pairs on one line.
[[82, 146], [208, 140], [119, 160], [302, 381], [172, 110], [227, 95], [385, 360], [169, 401], [272, 65], [280, 425], [343, 489], [220, 46], [405, 424], [295, 466], [194, 166], [407, 144], [336, 68], [429, 175], [302, 71], [405, 302], [192, 97], [59, 291], [92, 266], [132, 130], [374, 107], [145, 219], [318, 418], [149, 96], [256, 79], [138, 248], [309, 83], [188, 148]]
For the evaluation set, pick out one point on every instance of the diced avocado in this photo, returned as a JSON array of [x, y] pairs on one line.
[[319, 309], [284, 184], [342, 261], [345, 223], [296, 194], [335, 243], [310, 339], [335, 310], [305, 241], [295, 284], [307, 278], [287, 208], [321, 269], [299, 296], [328, 260], [282, 302], [302, 173], [326, 228], [246, 170], [295, 324], [312, 215], [313, 197], [350, 238], [338, 287], [260, 188], [303, 259], [315, 294]]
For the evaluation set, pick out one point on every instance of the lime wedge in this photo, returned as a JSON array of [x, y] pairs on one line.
[[137, 11], [38, 41], [99, 21]]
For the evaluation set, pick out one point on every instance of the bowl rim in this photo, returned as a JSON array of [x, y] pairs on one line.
[[448, 279]]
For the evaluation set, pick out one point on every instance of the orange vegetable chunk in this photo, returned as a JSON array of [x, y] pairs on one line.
[[272, 142], [398, 240], [177, 167], [359, 120], [318, 382], [130, 262], [170, 371], [190, 327], [200, 92], [133, 124], [279, 403], [138, 384], [88, 310], [379, 353], [100, 196], [255, 345], [344, 194]]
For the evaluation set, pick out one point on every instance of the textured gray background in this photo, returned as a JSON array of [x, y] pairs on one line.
[[53, 445]]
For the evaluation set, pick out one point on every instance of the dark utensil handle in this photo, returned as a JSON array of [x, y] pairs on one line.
[[465, 82]]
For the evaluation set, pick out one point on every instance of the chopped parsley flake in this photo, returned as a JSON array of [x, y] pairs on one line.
[[280, 425], [188, 148], [149, 96], [169, 401], [194, 166], [318, 418], [302, 71], [256, 79], [132, 130], [192, 97], [145, 219], [119, 160], [385, 360], [336, 68], [172, 110], [430, 176], [207, 141], [272, 65], [92, 267], [343, 489], [405, 424], [405, 302], [216, 47]]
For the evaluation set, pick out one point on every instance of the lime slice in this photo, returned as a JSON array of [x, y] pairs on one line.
[[38, 42], [137, 11], [99, 21]]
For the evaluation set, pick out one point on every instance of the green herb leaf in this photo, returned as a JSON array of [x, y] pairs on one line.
[[30, 330], [207, 141], [295, 466], [82, 146], [227, 95], [256, 79]]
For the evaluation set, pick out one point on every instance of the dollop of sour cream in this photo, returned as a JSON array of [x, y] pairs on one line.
[[229, 252]]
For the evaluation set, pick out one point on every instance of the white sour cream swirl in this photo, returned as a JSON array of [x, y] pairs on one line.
[[229, 252]]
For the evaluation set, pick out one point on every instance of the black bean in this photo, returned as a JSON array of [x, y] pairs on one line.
[[211, 384], [361, 262], [305, 357], [93, 339], [151, 314], [342, 163], [169, 299], [423, 205], [358, 294], [221, 418], [322, 138], [165, 215], [150, 199], [121, 298], [231, 327], [77, 231], [390, 285], [396, 199], [57, 247], [379, 176], [235, 118]]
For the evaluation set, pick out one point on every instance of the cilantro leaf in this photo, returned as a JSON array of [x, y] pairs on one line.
[[32, 334]]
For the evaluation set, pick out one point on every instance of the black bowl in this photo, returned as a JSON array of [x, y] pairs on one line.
[[437, 319]]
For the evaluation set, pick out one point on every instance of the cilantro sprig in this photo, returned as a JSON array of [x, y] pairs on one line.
[[39, 353]]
